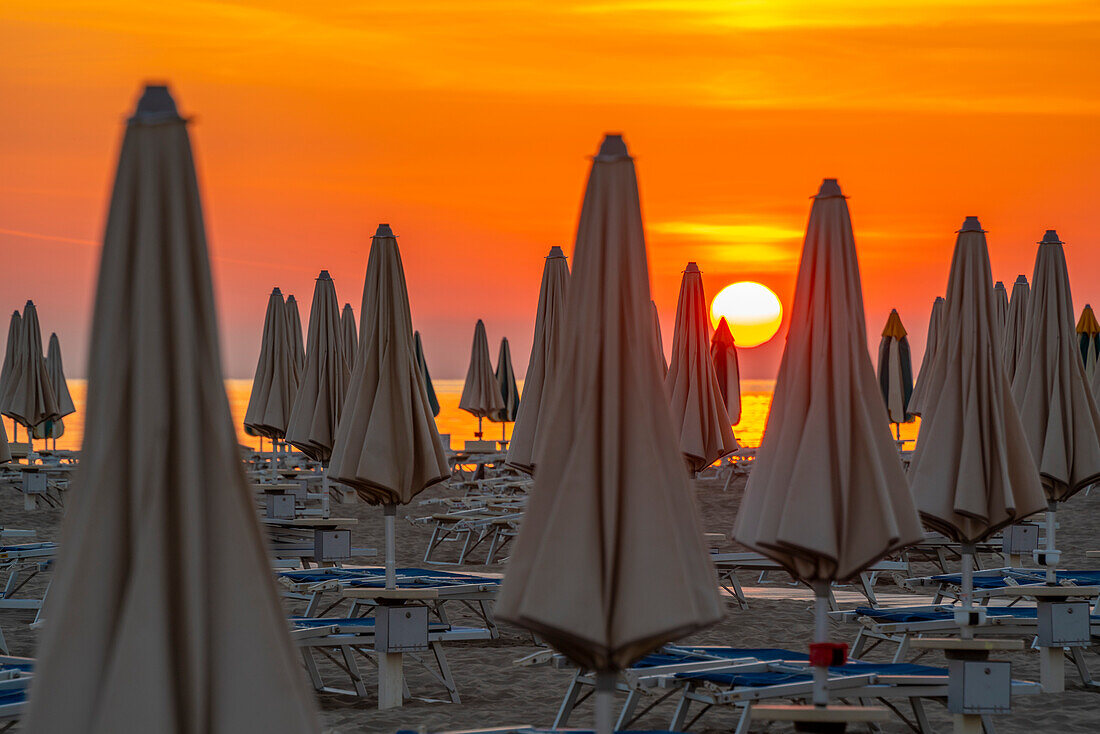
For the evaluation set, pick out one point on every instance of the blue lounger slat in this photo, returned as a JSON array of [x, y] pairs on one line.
[[924, 614]]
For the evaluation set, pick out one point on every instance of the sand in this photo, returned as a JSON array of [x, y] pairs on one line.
[[495, 692]]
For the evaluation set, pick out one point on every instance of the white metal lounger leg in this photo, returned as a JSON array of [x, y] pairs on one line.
[[921, 716], [1077, 655], [679, 716], [745, 721], [311, 668], [628, 709], [348, 653], [447, 680], [868, 584], [568, 702]]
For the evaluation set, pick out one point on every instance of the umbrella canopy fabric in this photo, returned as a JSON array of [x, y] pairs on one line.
[[387, 446], [294, 334], [15, 332], [827, 495], [895, 369], [163, 615], [542, 366], [660, 344], [972, 472], [611, 517], [723, 353], [506, 380], [481, 392], [1055, 401], [422, 365], [1088, 339], [698, 405], [5, 452], [29, 397], [931, 342], [56, 370], [273, 385], [1014, 326], [324, 384], [351, 335]]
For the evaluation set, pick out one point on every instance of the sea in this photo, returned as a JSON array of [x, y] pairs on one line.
[[756, 400]]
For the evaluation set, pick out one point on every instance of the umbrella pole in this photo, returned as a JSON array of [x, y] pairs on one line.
[[605, 700], [478, 434], [821, 634], [389, 512], [1051, 556], [967, 632]]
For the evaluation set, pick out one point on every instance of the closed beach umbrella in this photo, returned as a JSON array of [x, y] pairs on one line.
[[294, 335], [387, 446], [972, 472], [895, 370], [506, 380], [542, 366], [827, 496], [351, 335], [1000, 309], [5, 452], [15, 330], [164, 617], [1050, 389], [698, 405], [1015, 325], [660, 345], [29, 397], [1088, 340], [611, 516], [723, 353], [324, 383], [272, 395], [422, 365], [481, 391], [931, 343], [56, 369]]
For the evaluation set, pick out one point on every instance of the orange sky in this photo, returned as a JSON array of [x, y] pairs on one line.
[[467, 126]]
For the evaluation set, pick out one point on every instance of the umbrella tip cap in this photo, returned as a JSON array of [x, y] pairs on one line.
[[830, 187], [383, 231], [971, 224], [613, 148], [556, 251], [156, 105], [276, 291], [1051, 238], [324, 275], [692, 267]]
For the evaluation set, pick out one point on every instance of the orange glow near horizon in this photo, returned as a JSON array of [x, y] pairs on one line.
[[468, 127], [752, 311]]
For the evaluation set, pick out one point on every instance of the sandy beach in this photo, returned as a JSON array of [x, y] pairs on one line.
[[496, 692]]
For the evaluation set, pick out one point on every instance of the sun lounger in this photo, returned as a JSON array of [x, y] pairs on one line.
[[899, 626], [990, 582], [353, 639], [20, 564], [471, 592], [469, 530], [15, 675], [728, 564]]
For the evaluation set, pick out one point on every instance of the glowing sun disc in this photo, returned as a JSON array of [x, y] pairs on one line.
[[752, 311]]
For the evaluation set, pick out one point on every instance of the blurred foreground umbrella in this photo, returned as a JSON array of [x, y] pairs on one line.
[[895, 371], [481, 392], [387, 446], [1055, 400], [164, 617], [542, 367], [827, 496], [1088, 340], [56, 370], [972, 473], [723, 353], [351, 336], [660, 342], [29, 397], [509, 393], [15, 330], [611, 517], [698, 406], [1015, 325], [324, 382], [919, 396], [422, 365]]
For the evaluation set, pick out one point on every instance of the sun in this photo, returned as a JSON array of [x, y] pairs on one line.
[[752, 311]]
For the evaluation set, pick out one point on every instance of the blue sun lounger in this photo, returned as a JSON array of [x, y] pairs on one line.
[[990, 582], [15, 675], [473, 592], [351, 638], [900, 625]]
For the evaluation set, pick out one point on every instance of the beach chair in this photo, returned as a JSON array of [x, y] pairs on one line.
[[353, 640], [469, 530], [16, 674], [901, 625], [992, 582], [19, 564]]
